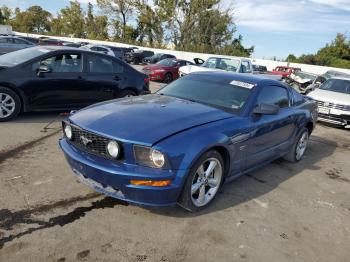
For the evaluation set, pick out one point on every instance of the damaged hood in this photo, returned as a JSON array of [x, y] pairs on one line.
[[301, 80], [145, 119]]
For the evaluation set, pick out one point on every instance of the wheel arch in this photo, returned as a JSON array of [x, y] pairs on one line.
[[20, 95]]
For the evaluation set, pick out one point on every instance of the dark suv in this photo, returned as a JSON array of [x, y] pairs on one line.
[[137, 56], [156, 58]]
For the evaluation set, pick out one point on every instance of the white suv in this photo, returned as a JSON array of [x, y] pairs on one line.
[[333, 99]]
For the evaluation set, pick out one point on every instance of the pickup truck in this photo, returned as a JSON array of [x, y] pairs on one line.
[[237, 65]]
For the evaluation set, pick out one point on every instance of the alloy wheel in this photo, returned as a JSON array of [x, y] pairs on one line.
[[206, 182], [301, 146], [7, 105]]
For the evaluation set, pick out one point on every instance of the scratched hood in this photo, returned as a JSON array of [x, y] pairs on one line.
[[145, 119]]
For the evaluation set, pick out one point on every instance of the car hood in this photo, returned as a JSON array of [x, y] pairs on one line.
[[145, 119], [330, 96], [193, 68]]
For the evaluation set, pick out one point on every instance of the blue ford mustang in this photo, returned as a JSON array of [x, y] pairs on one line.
[[180, 144]]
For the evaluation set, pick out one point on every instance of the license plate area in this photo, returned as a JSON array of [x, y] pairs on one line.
[[324, 110]]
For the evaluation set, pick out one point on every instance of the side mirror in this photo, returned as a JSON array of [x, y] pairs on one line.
[[43, 69], [266, 109]]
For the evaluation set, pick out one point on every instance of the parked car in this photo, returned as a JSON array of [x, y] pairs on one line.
[[48, 78], [156, 58], [137, 56], [180, 144], [333, 99], [323, 78], [12, 43], [98, 48], [71, 44], [50, 41], [301, 80], [165, 70], [237, 65], [119, 52], [259, 69], [30, 39], [284, 71]]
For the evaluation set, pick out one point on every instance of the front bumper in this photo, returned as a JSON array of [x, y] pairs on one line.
[[113, 179], [342, 120]]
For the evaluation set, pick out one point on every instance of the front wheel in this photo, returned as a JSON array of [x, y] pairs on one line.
[[203, 182], [168, 78], [297, 151], [10, 104]]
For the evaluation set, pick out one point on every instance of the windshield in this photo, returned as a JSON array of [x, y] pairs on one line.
[[222, 63], [337, 85], [21, 56], [167, 62], [205, 91], [305, 75]]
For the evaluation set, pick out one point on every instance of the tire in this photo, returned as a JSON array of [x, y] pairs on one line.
[[299, 147], [137, 61], [10, 104], [199, 190], [168, 78], [126, 93]]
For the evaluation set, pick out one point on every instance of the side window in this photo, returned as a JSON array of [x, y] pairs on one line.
[[274, 95], [245, 67], [5, 41], [63, 63], [104, 65], [19, 41]]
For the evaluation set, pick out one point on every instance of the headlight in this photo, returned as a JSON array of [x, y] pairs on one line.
[[148, 156], [113, 149], [68, 131]]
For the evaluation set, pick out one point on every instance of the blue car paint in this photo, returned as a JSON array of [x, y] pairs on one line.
[[182, 130]]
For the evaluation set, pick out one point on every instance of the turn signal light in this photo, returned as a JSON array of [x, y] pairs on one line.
[[150, 183]]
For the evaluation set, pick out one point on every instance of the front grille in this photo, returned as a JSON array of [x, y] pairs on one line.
[[334, 106], [94, 144]]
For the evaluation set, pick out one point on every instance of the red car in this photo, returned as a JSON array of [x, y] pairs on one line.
[[284, 71], [165, 70]]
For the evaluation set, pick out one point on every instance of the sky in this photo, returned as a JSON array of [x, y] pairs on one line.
[[275, 27]]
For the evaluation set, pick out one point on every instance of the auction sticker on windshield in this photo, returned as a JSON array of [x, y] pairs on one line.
[[242, 84]]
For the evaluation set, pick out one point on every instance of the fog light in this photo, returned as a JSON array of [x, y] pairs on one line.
[[150, 183], [68, 132], [113, 149]]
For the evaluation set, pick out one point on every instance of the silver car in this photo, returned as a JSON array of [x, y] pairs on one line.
[[12, 43]]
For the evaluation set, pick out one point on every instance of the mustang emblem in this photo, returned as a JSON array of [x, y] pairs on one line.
[[85, 140]]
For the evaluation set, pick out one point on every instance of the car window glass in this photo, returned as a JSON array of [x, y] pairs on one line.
[[245, 67], [4, 41], [274, 95], [104, 65], [63, 63], [19, 41]]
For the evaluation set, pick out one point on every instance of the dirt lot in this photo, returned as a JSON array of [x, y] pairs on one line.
[[283, 212]]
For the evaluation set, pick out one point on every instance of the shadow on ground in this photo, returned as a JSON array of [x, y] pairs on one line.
[[261, 181]]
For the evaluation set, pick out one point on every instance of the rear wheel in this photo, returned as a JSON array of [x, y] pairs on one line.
[[168, 78], [10, 104], [203, 182], [297, 151]]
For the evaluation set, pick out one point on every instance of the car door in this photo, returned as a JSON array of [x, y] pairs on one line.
[[271, 134], [104, 77], [61, 87]]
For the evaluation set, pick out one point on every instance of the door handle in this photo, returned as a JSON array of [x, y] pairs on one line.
[[80, 77], [117, 78]]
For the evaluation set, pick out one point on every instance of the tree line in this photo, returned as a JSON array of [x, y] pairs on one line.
[[335, 54], [188, 25]]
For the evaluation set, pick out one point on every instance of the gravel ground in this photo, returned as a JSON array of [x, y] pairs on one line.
[[282, 212]]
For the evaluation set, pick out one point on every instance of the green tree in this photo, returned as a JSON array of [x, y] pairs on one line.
[[119, 9], [5, 15], [72, 20], [96, 26], [33, 20]]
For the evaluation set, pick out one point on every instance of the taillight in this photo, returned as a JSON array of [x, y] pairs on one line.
[[146, 80]]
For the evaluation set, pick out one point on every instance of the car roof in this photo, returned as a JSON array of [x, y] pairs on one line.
[[227, 77]]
